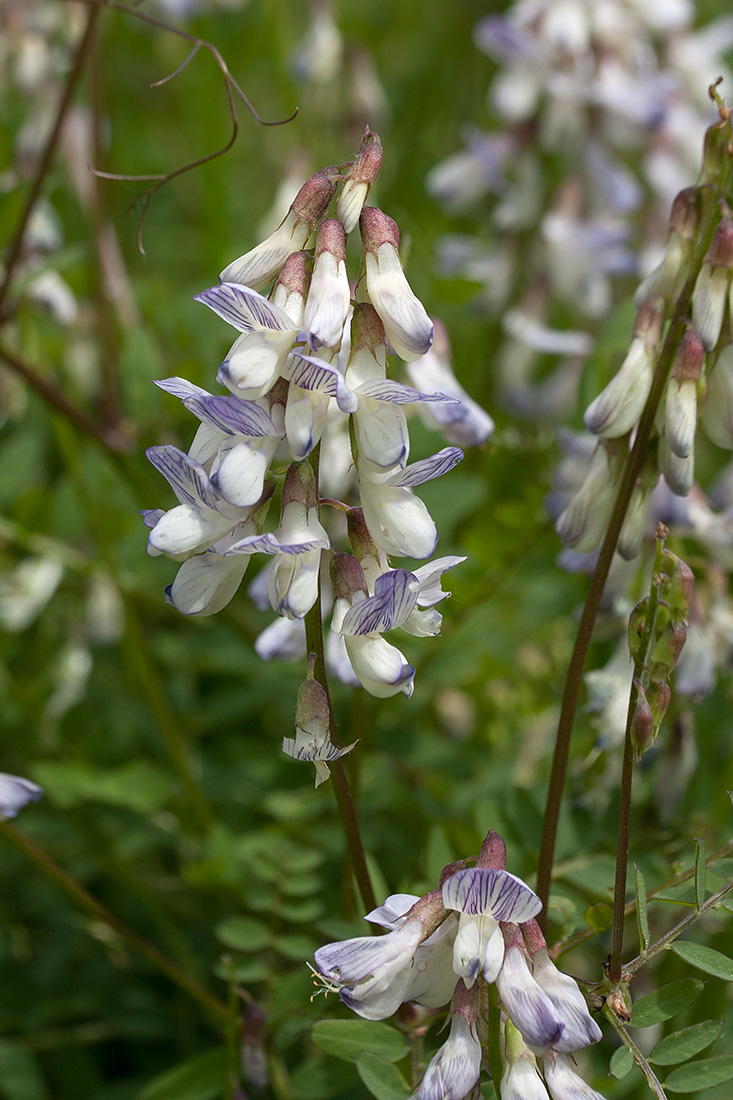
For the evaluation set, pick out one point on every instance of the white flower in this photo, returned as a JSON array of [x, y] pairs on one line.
[[528, 1007], [329, 295], [521, 1081], [372, 972], [455, 1069], [563, 1083], [484, 897], [406, 323], [15, 793], [581, 1030]]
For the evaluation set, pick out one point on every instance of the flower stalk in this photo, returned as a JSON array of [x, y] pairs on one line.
[[632, 470]]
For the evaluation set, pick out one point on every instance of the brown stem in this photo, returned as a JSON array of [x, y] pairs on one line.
[[87, 901], [109, 438], [16, 245], [632, 470]]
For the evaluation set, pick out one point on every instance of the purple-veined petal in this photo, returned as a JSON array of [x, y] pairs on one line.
[[428, 468], [499, 894], [152, 516], [372, 972], [581, 1030], [529, 1009], [386, 390], [294, 578], [231, 415], [206, 583], [186, 478], [455, 1069], [255, 544], [395, 597], [392, 912], [179, 387], [245, 309], [15, 793], [312, 373], [430, 592]]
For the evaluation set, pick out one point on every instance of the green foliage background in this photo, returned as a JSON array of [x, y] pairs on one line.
[[167, 795]]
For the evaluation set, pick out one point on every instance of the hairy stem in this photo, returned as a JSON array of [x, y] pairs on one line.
[[87, 901], [651, 1078]]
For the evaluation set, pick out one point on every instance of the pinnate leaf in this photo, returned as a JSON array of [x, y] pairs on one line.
[[701, 1075], [383, 1080], [705, 958], [622, 1061], [665, 1002], [350, 1038], [685, 1044]]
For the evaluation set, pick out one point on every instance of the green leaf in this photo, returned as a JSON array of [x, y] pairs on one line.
[[200, 1078], [139, 785], [243, 934], [382, 1078], [296, 946], [705, 958], [349, 1038], [700, 871], [665, 1002], [622, 1062], [599, 916], [701, 1075], [685, 1044], [642, 920]]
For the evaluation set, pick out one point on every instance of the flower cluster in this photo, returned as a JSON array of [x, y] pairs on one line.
[[599, 109], [701, 376], [478, 926], [307, 378]]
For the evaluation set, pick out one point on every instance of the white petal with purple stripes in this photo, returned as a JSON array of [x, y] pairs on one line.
[[428, 468], [245, 309], [311, 373], [394, 599], [379, 389], [499, 894]]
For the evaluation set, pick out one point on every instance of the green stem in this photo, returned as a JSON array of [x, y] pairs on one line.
[[86, 900], [652, 1080], [632, 469], [674, 933], [339, 780], [494, 1040], [588, 933]]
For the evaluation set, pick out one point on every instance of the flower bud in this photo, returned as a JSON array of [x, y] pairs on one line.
[[347, 578], [679, 473], [406, 323], [617, 408], [658, 697], [666, 651], [637, 620], [259, 267], [493, 852], [714, 153], [717, 416], [712, 285], [358, 180], [291, 286], [583, 523], [642, 722], [329, 295], [680, 592]]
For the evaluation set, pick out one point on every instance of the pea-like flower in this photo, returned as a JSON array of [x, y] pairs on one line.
[[15, 793]]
